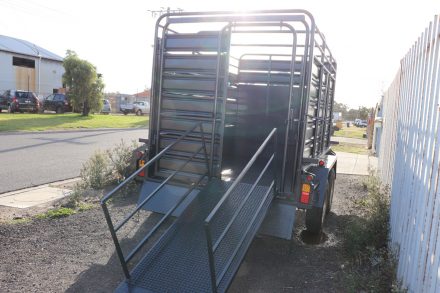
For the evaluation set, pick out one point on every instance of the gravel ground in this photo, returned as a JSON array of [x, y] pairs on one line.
[[76, 253]]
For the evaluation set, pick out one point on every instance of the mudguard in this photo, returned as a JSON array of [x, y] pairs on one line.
[[321, 175]]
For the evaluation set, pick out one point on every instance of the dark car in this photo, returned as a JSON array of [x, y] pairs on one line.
[[59, 103], [19, 101]]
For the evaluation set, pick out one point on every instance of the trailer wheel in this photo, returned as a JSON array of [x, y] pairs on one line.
[[331, 182], [315, 216]]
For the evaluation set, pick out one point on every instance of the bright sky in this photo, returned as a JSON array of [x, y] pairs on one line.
[[368, 38]]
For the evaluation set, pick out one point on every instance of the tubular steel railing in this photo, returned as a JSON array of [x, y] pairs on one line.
[[115, 228], [213, 246]]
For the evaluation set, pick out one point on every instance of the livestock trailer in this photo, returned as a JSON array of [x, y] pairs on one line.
[[239, 139]]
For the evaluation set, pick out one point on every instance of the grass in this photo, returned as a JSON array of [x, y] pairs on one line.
[[56, 213], [41, 122], [351, 132], [19, 221], [350, 148]]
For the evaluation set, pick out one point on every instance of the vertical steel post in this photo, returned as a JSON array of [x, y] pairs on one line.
[[211, 258], [115, 240]]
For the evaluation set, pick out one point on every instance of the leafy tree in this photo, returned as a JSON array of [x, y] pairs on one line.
[[85, 85], [363, 112], [340, 107]]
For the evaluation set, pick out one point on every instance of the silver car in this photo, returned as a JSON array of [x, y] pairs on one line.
[[106, 107]]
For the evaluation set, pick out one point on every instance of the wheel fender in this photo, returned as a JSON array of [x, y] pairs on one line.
[[321, 179]]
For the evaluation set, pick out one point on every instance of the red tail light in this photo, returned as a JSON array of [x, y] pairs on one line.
[[305, 193], [141, 164]]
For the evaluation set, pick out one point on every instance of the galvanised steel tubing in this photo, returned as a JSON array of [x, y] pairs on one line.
[[211, 258], [240, 176], [225, 90], [249, 18], [270, 189], [139, 206], [299, 149], [159, 97], [214, 114], [240, 207], [162, 220], [289, 112], [156, 157], [204, 149], [115, 241], [317, 118]]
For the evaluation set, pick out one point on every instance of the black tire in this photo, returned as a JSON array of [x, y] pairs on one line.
[[125, 112], [59, 110], [139, 112], [315, 216]]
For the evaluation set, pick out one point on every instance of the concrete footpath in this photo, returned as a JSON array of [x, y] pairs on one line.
[[355, 164], [35, 196]]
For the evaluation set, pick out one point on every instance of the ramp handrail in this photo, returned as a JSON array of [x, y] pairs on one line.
[[114, 228], [212, 246]]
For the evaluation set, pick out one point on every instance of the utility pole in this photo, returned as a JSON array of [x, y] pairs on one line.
[[163, 10]]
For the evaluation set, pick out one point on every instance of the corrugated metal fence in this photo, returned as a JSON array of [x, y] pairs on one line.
[[409, 162]]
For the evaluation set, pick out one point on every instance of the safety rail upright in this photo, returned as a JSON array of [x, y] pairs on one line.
[[115, 228]]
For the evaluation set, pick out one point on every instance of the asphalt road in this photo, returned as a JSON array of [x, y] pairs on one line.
[[30, 159]]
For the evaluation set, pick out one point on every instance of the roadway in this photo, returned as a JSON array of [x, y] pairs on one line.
[[35, 158]]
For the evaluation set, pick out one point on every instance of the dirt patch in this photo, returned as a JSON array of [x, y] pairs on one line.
[[76, 253]]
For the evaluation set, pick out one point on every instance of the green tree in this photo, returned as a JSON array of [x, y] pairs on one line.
[[363, 112], [85, 86], [340, 107]]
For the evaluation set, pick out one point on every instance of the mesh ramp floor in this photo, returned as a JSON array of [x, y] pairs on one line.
[[179, 261]]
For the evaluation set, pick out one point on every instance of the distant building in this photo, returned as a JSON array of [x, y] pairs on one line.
[[26, 66], [143, 96]]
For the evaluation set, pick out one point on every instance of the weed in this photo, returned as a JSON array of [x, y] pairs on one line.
[[17, 221], [96, 171], [372, 267], [83, 206], [57, 213], [121, 159]]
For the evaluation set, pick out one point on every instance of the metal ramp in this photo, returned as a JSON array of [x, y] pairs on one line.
[[179, 262], [204, 246]]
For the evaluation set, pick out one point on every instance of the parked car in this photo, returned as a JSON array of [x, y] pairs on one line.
[[59, 103], [19, 101], [363, 123], [138, 108], [106, 107]]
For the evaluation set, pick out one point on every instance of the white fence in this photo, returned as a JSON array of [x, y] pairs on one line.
[[409, 161]]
